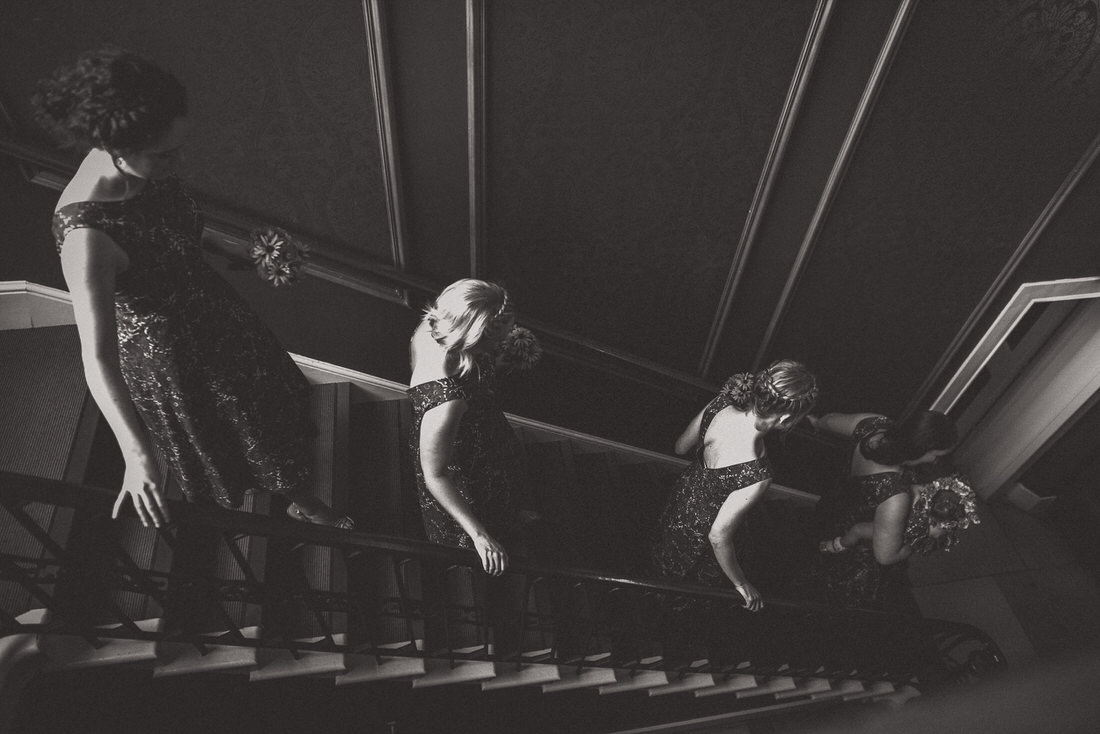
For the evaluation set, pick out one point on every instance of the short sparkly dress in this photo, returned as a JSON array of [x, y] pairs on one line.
[[223, 401], [485, 460], [683, 549], [854, 577]]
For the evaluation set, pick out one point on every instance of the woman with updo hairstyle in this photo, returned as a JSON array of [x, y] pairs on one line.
[[466, 456], [698, 539], [175, 360], [863, 561]]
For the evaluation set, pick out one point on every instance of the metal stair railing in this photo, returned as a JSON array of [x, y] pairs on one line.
[[534, 613]]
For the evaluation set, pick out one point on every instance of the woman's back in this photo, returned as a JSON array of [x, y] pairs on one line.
[[729, 437]]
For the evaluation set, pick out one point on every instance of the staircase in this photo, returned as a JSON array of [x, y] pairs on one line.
[[259, 596]]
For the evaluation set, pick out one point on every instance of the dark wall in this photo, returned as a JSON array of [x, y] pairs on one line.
[[624, 142]]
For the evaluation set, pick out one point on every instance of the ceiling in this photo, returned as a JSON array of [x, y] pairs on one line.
[[674, 191]]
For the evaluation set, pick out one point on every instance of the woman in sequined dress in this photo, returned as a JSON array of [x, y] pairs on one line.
[[698, 540], [466, 455], [175, 360], [863, 561]]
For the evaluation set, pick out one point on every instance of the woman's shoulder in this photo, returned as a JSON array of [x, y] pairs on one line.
[[865, 424], [433, 393]]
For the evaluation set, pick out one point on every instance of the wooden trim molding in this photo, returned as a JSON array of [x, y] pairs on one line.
[[1076, 174], [382, 90], [844, 156], [475, 130], [1013, 312], [761, 198]]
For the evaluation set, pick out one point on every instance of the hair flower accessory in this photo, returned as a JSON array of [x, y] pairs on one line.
[[278, 257], [520, 350], [949, 496], [739, 388]]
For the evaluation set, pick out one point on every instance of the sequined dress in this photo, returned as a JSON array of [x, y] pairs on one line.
[[855, 578], [485, 463], [223, 401], [682, 549]]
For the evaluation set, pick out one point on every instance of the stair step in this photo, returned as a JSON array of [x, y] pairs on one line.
[[277, 664], [179, 658], [67, 652], [371, 668], [686, 682], [775, 684], [509, 676], [572, 679], [442, 673], [627, 680], [733, 684], [805, 687], [839, 688]]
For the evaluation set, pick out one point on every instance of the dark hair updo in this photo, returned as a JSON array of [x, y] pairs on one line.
[[924, 431], [110, 99], [784, 387]]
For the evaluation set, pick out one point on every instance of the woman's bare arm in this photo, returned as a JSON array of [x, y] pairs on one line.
[[729, 518], [838, 424], [90, 261], [889, 531], [438, 431]]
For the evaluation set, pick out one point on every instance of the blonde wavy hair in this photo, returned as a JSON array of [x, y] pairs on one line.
[[785, 386], [461, 315]]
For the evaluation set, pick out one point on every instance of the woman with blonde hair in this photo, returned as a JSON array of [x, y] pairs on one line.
[[698, 538], [466, 455]]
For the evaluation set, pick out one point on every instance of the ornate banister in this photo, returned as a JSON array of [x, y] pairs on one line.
[[535, 613]]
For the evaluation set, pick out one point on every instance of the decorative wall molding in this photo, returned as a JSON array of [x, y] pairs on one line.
[[1076, 174], [1013, 312], [378, 53], [475, 130], [788, 116], [844, 157], [1044, 401]]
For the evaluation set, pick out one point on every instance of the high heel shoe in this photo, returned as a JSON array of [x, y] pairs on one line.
[[341, 523]]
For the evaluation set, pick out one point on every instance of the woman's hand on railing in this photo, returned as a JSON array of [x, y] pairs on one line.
[[141, 483], [494, 559], [754, 602]]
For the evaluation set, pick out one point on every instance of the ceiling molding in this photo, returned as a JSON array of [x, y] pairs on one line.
[[1076, 174], [475, 130], [762, 197], [844, 157], [382, 90]]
